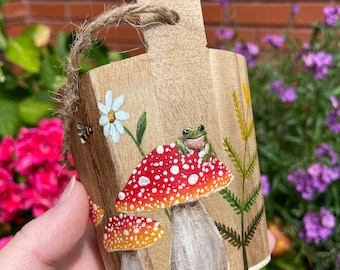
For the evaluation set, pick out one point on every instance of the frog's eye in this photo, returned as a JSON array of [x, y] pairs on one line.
[[200, 127], [185, 132]]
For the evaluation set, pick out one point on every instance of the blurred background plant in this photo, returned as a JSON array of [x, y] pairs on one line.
[[296, 105]]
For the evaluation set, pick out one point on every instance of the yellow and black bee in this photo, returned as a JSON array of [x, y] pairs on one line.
[[84, 132]]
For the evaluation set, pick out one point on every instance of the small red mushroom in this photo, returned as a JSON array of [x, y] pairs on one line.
[[96, 213], [126, 234], [165, 178]]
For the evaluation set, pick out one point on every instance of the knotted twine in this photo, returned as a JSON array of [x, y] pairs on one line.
[[67, 96]]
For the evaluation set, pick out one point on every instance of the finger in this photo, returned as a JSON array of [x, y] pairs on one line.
[[45, 241], [86, 255]]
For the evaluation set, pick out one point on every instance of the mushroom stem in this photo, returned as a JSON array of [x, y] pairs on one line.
[[130, 261], [195, 240]]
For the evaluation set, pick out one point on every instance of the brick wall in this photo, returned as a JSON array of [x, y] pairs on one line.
[[251, 19]]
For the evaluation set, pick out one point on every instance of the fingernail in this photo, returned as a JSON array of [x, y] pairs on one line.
[[68, 190]]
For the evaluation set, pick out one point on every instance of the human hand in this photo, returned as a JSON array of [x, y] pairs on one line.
[[61, 238]]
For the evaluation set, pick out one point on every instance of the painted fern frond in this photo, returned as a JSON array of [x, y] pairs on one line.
[[249, 234], [229, 234], [239, 115], [233, 156], [232, 199], [250, 130], [252, 198], [251, 166]]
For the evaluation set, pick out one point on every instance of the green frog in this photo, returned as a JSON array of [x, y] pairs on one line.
[[195, 139]]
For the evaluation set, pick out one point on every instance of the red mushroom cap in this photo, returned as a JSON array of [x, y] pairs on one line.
[[165, 177], [96, 213], [125, 232]]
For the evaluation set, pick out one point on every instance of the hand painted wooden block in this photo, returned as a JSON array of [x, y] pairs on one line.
[[168, 137]]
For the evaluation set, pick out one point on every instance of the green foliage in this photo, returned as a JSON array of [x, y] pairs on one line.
[[141, 125], [230, 234], [249, 202], [251, 229], [233, 200], [32, 71], [233, 156], [245, 167]]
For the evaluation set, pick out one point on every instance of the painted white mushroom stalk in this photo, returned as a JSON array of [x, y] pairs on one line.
[[166, 178], [127, 234]]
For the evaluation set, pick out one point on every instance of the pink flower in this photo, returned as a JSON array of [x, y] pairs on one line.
[[11, 202], [39, 179], [5, 178], [7, 151], [37, 146], [5, 240]]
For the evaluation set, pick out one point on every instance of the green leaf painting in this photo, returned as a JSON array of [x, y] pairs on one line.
[[141, 126], [245, 165]]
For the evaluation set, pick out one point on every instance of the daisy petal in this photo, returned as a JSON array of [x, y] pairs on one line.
[[117, 103], [119, 127], [102, 108], [120, 115], [115, 135], [103, 120], [108, 100], [107, 130]]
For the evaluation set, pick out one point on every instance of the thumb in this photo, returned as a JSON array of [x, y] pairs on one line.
[[46, 240]]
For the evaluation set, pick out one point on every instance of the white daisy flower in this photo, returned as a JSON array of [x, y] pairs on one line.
[[111, 116]]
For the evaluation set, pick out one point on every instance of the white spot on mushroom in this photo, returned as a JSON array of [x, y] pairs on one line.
[[185, 166], [160, 149], [126, 232], [220, 173], [174, 169], [193, 178], [143, 181], [121, 195]]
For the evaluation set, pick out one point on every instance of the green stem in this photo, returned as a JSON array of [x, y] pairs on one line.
[[135, 141], [244, 251]]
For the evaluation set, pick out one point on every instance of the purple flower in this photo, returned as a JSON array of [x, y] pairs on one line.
[[334, 116], [286, 94], [331, 14], [316, 179], [224, 33], [295, 8], [224, 3], [317, 227], [249, 50], [319, 63], [289, 95], [265, 185], [327, 151], [276, 41], [302, 182], [322, 175]]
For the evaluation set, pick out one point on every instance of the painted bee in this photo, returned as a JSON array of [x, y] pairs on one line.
[[84, 132]]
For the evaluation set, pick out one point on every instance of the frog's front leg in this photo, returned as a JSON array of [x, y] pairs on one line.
[[207, 151], [181, 147]]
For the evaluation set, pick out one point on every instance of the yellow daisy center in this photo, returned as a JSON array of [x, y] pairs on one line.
[[111, 116]]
